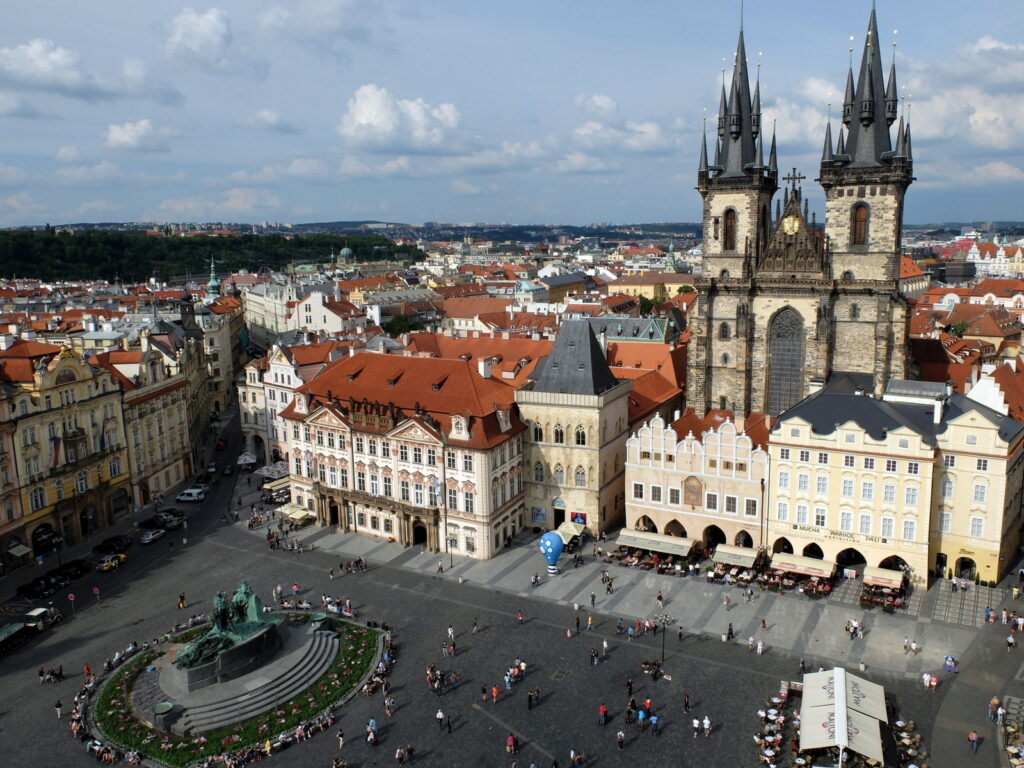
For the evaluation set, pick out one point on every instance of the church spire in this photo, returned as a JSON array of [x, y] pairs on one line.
[[841, 143], [826, 153], [755, 113], [892, 100], [848, 98], [738, 146], [703, 167], [722, 109], [868, 142], [773, 160]]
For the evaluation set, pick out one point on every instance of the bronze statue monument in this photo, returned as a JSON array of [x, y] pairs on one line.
[[234, 621]]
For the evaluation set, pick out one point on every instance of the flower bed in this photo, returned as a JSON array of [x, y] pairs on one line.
[[118, 724]]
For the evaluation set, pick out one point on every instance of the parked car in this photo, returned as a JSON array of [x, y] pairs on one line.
[[57, 578], [112, 545], [211, 470], [169, 522], [37, 589], [110, 562], [150, 523], [172, 512], [148, 537], [192, 495], [228, 470], [203, 481], [75, 569]]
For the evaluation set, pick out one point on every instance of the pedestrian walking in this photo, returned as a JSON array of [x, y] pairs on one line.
[[686, 702], [181, 600], [448, 723], [620, 739], [906, 645], [341, 738], [629, 686], [440, 719], [590, 622], [660, 600], [654, 725], [400, 756], [483, 694], [926, 680], [913, 647], [519, 617], [410, 752], [972, 740], [602, 714], [604, 648], [451, 632], [330, 573], [696, 727], [707, 727], [764, 625], [475, 626], [57, 708], [1010, 642], [760, 647], [803, 667], [494, 694], [86, 671], [577, 625], [729, 634], [593, 600]]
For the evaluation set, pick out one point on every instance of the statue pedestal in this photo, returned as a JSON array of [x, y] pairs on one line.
[[240, 659]]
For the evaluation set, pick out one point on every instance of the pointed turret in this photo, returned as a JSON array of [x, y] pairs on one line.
[[907, 152], [759, 163], [900, 145], [755, 112], [892, 100], [868, 143], [826, 153], [848, 98], [703, 167], [718, 154], [721, 113], [773, 158], [841, 143]]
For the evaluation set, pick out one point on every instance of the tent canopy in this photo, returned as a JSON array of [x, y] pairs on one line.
[[275, 470], [568, 530], [246, 457], [842, 710], [805, 566], [274, 485], [655, 542], [19, 550], [883, 577], [741, 556]]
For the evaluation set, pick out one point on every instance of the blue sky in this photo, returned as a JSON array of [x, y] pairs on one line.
[[529, 112]]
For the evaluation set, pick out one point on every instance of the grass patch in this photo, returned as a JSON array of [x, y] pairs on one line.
[[117, 723]]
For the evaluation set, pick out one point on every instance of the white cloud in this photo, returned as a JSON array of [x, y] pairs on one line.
[[351, 165], [597, 104], [140, 136], [463, 187], [98, 206], [67, 154], [376, 119], [270, 120], [42, 65], [10, 175], [206, 41], [579, 162], [633, 136], [996, 172], [325, 23], [235, 204], [12, 105], [76, 175], [306, 168], [20, 208], [511, 155]]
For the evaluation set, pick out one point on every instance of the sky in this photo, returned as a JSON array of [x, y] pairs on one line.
[[573, 112]]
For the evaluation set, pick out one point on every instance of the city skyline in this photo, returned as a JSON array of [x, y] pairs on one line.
[[322, 110]]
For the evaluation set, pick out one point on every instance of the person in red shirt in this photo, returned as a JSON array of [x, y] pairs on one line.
[[602, 714]]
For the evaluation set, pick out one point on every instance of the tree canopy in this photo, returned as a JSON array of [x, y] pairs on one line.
[[135, 256]]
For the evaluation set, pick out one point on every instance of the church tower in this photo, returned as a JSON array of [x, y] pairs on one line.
[[865, 179], [737, 188], [783, 304]]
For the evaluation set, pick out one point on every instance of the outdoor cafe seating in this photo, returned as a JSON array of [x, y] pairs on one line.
[[733, 565], [884, 587], [668, 555], [803, 574]]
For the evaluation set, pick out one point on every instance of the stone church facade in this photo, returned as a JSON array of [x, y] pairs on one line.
[[782, 303]]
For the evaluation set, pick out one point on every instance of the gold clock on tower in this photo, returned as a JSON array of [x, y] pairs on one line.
[[790, 224]]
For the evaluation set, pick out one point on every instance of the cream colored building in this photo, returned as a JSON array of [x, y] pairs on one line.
[[577, 416], [699, 479], [922, 480], [253, 408], [69, 446], [266, 310]]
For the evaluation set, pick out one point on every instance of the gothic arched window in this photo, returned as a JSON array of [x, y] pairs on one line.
[[581, 436], [785, 360], [581, 477], [859, 225], [538, 433], [723, 332], [538, 472], [729, 231], [854, 312], [559, 474], [559, 434]]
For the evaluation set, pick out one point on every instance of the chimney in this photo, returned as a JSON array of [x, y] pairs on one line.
[[949, 389], [483, 367], [937, 410], [6, 340], [676, 415]]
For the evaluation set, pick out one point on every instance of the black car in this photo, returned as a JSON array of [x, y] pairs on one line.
[[37, 589], [57, 578], [75, 569], [113, 545], [169, 522], [150, 523], [173, 512]]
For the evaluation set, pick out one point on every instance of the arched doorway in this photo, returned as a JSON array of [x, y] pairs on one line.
[[940, 565], [558, 512], [813, 550], [744, 539], [646, 524], [259, 450], [783, 546], [713, 536], [897, 563], [850, 557], [333, 513], [419, 532], [44, 539], [785, 360], [675, 528]]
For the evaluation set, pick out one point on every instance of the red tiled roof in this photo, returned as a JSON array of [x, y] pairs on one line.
[[1010, 379], [30, 349], [908, 268]]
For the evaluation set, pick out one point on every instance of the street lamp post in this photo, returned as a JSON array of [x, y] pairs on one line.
[[665, 619]]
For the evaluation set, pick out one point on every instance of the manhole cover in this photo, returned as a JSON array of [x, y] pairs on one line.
[[559, 675]]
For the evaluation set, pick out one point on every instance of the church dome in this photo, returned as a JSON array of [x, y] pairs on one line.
[[346, 253]]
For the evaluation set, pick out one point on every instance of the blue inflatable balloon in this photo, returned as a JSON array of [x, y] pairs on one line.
[[551, 546]]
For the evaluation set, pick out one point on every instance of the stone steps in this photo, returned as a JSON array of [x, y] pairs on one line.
[[287, 681]]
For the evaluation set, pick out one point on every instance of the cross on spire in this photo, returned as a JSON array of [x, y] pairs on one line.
[[793, 177]]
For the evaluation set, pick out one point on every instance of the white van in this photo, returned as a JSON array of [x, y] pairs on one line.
[[192, 494]]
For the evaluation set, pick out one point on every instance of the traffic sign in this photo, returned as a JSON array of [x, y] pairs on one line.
[[71, 596], [95, 590]]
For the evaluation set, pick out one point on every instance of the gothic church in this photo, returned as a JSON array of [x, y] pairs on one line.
[[781, 303]]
